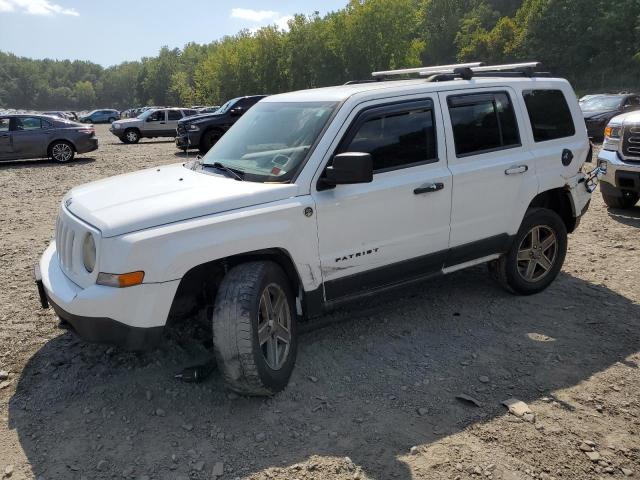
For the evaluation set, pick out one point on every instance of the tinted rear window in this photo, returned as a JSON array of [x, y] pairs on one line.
[[483, 122], [549, 114]]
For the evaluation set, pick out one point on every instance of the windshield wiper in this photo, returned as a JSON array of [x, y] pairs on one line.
[[235, 173]]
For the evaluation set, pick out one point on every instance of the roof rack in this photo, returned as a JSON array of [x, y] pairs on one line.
[[425, 70], [466, 71], [527, 69]]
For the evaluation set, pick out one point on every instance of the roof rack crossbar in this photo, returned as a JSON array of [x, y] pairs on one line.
[[466, 72], [425, 70]]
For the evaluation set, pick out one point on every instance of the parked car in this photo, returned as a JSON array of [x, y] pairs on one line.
[[42, 136], [101, 116], [318, 197], [150, 124], [203, 131], [599, 109], [620, 160]]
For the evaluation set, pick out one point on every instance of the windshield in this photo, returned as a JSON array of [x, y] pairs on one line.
[[271, 140], [601, 103], [226, 106], [146, 113]]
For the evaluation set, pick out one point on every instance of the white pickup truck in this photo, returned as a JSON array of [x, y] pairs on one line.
[[317, 197]]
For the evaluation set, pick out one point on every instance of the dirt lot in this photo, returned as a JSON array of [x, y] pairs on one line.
[[373, 396]]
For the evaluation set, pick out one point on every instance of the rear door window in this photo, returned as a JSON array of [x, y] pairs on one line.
[[4, 124], [175, 115], [549, 114], [482, 123]]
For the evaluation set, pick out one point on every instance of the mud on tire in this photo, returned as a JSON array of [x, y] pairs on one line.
[[243, 326]]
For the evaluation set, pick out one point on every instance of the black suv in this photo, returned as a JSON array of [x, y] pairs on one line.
[[599, 109], [203, 131]]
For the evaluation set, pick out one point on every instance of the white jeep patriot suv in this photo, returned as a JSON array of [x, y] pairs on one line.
[[320, 196]]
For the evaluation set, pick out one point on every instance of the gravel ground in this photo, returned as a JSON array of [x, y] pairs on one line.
[[372, 396]]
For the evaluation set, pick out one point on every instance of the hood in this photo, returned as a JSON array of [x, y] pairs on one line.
[[127, 120], [629, 117], [199, 116], [592, 115], [159, 196]]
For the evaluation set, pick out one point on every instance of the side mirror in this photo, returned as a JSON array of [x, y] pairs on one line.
[[349, 168]]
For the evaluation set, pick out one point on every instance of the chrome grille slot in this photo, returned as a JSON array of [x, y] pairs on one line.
[[65, 236], [70, 232], [69, 247], [631, 142]]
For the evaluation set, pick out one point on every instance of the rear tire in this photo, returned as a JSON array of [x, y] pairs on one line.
[[131, 135], [254, 328], [61, 151], [208, 140], [111, 120], [624, 201], [536, 254]]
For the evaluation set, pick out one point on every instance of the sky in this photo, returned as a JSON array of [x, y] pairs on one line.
[[113, 31]]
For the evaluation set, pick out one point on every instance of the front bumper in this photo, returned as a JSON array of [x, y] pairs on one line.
[[119, 132], [187, 140], [621, 174], [132, 318]]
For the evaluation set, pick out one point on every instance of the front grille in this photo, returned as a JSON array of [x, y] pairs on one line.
[[181, 129], [65, 238], [631, 141]]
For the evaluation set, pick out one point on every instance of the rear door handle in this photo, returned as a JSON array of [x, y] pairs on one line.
[[516, 170], [428, 188]]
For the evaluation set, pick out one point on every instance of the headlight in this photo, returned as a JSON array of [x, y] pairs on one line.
[[89, 252], [116, 125], [193, 127], [612, 137], [612, 131]]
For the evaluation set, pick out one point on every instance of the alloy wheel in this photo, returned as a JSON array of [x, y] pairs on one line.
[[274, 326], [537, 253], [62, 152]]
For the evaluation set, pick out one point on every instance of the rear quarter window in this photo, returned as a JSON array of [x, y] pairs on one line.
[[549, 114]]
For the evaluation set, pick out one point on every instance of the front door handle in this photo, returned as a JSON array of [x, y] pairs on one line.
[[162, 123], [428, 188], [516, 170]]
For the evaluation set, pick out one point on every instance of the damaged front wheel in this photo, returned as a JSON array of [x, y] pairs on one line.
[[254, 328]]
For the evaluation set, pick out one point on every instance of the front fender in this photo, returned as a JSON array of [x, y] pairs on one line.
[[168, 252]]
